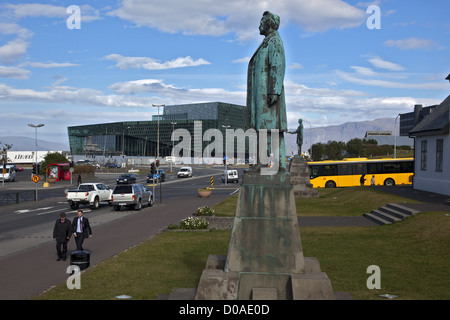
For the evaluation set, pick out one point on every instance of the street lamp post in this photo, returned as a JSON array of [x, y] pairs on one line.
[[173, 145], [395, 137], [157, 153], [157, 143], [35, 154], [226, 157], [310, 141]]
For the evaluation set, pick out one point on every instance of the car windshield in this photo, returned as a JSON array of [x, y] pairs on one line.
[[184, 170], [122, 189], [86, 187]]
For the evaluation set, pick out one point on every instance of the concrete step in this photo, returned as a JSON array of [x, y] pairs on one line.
[[385, 215], [376, 219], [402, 208], [395, 213], [390, 213]]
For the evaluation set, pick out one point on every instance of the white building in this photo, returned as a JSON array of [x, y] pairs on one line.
[[432, 151], [27, 157]]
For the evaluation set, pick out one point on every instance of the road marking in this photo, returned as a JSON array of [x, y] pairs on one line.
[[42, 213], [29, 210]]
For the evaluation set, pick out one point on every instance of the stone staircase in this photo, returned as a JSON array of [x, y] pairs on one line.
[[390, 213]]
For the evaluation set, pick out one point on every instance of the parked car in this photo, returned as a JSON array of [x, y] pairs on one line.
[[89, 194], [10, 172], [230, 175], [131, 196], [184, 172], [126, 178], [162, 176]]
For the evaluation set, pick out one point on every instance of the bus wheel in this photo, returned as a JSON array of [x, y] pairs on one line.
[[389, 182], [330, 184]]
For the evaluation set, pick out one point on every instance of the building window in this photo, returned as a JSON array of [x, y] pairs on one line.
[[423, 155], [439, 154]]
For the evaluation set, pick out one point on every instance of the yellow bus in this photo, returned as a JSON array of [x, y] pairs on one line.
[[361, 171]]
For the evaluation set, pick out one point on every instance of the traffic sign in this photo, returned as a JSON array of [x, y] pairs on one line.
[[35, 179], [156, 176]]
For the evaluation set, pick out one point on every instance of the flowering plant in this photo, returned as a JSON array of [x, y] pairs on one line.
[[204, 211], [194, 223]]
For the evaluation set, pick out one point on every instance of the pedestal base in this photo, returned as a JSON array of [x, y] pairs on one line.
[[265, 257], [216, 284], [300, 179]]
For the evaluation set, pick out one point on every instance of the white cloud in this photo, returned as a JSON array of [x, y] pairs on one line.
[[391, 84], [13, 51], [48, 65], [383, 64], [153, 64], [217, 18], [242, 60], [83, 96], [13, 72], [36, 10], [296, 66], [411, 43], [13, 28]]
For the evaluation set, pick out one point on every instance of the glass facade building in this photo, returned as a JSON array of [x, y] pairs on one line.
[[140, 138]]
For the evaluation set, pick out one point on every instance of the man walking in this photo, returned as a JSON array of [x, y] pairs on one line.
[[81, 229], [62, 232]]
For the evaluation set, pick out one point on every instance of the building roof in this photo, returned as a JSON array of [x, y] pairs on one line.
[[436, 123]]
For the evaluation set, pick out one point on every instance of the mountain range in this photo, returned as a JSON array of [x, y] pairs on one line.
[[343, 132], [28, 144]]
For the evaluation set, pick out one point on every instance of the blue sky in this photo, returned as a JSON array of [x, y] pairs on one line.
[[131, 54]]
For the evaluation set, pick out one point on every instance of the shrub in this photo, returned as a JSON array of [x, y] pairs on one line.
[[194, 223], [204, 211]]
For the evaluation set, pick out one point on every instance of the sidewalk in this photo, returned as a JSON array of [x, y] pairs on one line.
[[27, 274]]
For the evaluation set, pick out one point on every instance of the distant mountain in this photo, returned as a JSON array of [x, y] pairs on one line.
[[343, 132], [28, 144]]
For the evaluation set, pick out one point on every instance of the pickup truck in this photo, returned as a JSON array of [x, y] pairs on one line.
[[89, 194]]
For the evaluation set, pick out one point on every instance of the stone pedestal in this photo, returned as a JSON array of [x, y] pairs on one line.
[[265, 257], [300, 179]]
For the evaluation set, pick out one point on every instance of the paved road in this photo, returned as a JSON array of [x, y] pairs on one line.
[[28, 255]]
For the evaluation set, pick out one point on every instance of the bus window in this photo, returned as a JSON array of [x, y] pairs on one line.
[[323, 170], [344, 169], [359, 168]]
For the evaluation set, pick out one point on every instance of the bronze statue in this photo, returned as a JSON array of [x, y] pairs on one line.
[[266, 107], [299, 133]]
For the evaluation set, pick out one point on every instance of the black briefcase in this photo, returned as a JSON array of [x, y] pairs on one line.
[[81, 259]]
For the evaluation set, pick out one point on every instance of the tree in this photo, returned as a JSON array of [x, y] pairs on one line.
[[335, 150], [50, 158], [3, 150], [318, 150], [355, 147]]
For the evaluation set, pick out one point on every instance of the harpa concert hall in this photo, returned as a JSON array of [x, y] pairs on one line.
[[139, 139]]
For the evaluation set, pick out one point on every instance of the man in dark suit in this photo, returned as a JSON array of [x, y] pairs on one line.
[[81, 229], [62, 232]]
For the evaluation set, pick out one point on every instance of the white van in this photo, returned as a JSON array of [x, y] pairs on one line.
[[10, 174], [231, 176], [184, 172]]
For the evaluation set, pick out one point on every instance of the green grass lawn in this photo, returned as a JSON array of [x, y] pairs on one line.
[[353, 201], [413, 256]]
